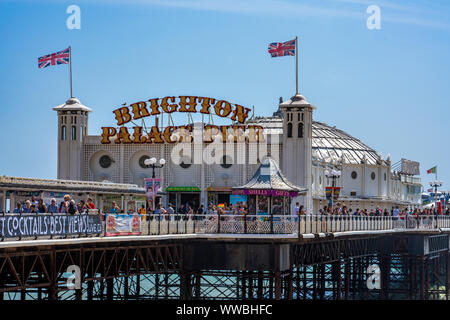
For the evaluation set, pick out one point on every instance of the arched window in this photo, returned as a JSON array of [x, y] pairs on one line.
[[63, 133], [289, 128], [300, 130], [74, 133], [105, 161], [142, 162]]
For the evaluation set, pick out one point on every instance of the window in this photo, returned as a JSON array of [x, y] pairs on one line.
[[289, 129], [226, 162], [300, 130], [372, 176], [105, 161], [385, 176], [354, 175], [142, 162], [63, 133], [74, 133]]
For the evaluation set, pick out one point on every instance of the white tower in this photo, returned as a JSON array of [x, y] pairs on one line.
[[72, 129], [297, 146]]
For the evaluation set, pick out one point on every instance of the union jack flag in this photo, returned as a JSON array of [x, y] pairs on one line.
[[60, 57], [279, 49]]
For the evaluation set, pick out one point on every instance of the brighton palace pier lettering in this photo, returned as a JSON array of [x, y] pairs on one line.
[[153, 107]]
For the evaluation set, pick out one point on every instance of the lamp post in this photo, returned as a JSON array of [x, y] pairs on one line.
[[334, 174], [435, 184], [151, 163]]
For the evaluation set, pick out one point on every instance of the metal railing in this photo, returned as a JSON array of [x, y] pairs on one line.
[[167, 224], [283, 224]]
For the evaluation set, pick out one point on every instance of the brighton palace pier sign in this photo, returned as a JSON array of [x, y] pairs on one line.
[[185, 104]]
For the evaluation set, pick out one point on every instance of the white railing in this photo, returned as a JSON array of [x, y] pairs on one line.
[[283, 224], [166, 224]]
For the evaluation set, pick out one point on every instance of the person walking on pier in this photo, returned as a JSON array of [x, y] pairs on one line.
[[52, 208], [142, 210], [33, 209], [345, 211], [72, 207], [296, 211], [27, 208], [18, 208], [114, 208], [90, 203], [82, 207], [170, 209], [302, 211], [190, 211], [64, 207], [41, 207], [395, 212]]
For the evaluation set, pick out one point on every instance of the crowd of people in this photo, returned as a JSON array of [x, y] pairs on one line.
[[68, 205], [242, 209], [395, 211], [236, 209]]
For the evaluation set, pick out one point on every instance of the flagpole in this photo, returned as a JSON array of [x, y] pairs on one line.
[[296, 65], [70, 62]]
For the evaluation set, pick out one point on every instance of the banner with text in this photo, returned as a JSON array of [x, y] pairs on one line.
[[123, 225], [151, 187], [15, 225]]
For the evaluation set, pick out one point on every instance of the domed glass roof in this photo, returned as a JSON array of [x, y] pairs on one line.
[[327, 142], [330, 142]]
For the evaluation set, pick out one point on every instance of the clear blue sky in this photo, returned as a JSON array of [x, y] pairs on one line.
[[388, 87]]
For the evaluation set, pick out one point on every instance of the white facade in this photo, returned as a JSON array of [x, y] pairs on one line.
[[72, 131], [297, 138], [366, 180]]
